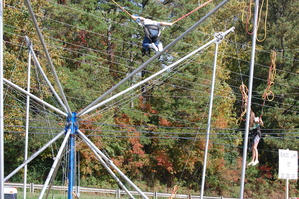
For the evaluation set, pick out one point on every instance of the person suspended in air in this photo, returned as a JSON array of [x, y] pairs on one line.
[[255, 134], [152, 30]]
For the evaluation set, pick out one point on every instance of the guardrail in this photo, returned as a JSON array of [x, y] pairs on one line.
[[116, 192]]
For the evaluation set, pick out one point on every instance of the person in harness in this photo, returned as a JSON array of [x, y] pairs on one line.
[[255, 134], [152, 30]]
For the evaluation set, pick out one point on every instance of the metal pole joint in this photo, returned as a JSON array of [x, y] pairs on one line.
[[28, 42], [72, 123], [220, 35]]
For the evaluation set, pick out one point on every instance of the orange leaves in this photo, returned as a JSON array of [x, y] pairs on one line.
[[164, 122], [164, 161]]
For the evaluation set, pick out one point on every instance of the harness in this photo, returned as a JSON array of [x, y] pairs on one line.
[[152, 32]]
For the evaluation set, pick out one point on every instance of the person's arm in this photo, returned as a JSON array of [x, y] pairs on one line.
[[261, 122], [136, 17], [166, 24]]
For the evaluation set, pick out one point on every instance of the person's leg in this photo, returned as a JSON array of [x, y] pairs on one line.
[[253, 154], [254, 148], [145, 45]]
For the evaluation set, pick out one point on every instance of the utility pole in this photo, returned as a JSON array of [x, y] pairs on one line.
[[249, 97]]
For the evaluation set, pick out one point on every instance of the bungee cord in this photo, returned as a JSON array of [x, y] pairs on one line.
[[200, 6], [122, 9]]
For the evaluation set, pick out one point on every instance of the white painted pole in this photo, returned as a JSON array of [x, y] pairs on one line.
[[44, 75], [158, 73], [47, 55], [35, 155], [27, 123], [82, 112], [55, 163], [209, 123], [34, 97], [252, 60], [110, 170], [1, 106], [111, 164]]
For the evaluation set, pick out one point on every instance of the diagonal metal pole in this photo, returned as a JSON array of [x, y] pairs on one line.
[[83, 111], [34, 97], [252, 60], [34, 155], [110, 171], [30, 47], [1, 106], [158, 73], [47, 55], [55, 163], [52, 179], [209, 121], [27, 125], [111, 164]]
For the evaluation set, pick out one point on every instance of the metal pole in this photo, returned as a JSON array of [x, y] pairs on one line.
[[47, 55], [44, 75], [34, 97], [1, 106], [34, 155], [71, 175], [27, 123], [55, 164], [110, 170], [249, 97], [82, 112], [209, 122], [111, 164], [158, 73]]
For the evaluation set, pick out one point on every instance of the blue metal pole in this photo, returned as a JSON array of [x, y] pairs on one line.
[[71, 174]]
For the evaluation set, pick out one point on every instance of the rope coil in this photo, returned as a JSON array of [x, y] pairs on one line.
[[244, 91], [268, 93]]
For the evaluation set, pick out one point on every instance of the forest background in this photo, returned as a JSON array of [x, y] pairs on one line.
[[156, 134]]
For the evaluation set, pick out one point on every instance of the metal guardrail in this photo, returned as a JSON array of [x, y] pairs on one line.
[[116, 192]]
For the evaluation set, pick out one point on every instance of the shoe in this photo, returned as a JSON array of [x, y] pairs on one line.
[[250, 163], [255, 163]]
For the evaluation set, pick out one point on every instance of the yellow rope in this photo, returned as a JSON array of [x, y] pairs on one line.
[[244, 10], [122, 9], [266, 17], [271, 76]]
